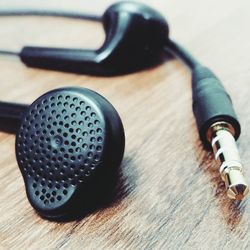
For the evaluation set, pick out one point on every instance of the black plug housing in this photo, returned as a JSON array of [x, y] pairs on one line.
[[211, 103]]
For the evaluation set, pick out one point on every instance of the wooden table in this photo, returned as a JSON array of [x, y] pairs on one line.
[[170, 195]]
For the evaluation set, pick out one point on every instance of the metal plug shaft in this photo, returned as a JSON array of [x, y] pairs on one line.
[[221, 137]]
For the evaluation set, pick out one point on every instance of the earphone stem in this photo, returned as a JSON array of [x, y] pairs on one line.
[[69, 60], [10, 116]]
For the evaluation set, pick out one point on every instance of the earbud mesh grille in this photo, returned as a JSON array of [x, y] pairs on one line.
[[59, 145]]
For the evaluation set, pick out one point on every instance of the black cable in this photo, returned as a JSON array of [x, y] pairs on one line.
[[50, 13], [45, 13], [9, 53], [180, 52], [11, 116], [211, 103]]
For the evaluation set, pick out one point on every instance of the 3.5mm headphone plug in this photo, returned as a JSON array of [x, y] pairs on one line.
[[219, 128], [226, 153]]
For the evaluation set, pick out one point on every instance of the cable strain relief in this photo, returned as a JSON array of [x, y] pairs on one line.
[[201, 72], [211, 103], [203, 128]]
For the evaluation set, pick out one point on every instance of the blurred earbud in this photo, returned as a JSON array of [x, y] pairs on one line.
[[135, 38]]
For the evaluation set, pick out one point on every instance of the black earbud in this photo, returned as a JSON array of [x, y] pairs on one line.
[[69, 145], [135, 38]]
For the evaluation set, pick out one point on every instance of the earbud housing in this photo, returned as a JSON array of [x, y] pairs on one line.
[[136, 35]]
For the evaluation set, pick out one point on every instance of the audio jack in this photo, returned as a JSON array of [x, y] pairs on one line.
[[217, 122], [221, 137]]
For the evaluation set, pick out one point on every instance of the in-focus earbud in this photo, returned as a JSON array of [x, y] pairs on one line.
[[135, 38], [69, 145]]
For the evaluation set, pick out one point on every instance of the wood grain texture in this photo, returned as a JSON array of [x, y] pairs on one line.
[[170, 194]]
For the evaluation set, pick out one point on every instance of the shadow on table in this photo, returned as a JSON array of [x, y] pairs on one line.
[[116, 189]]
